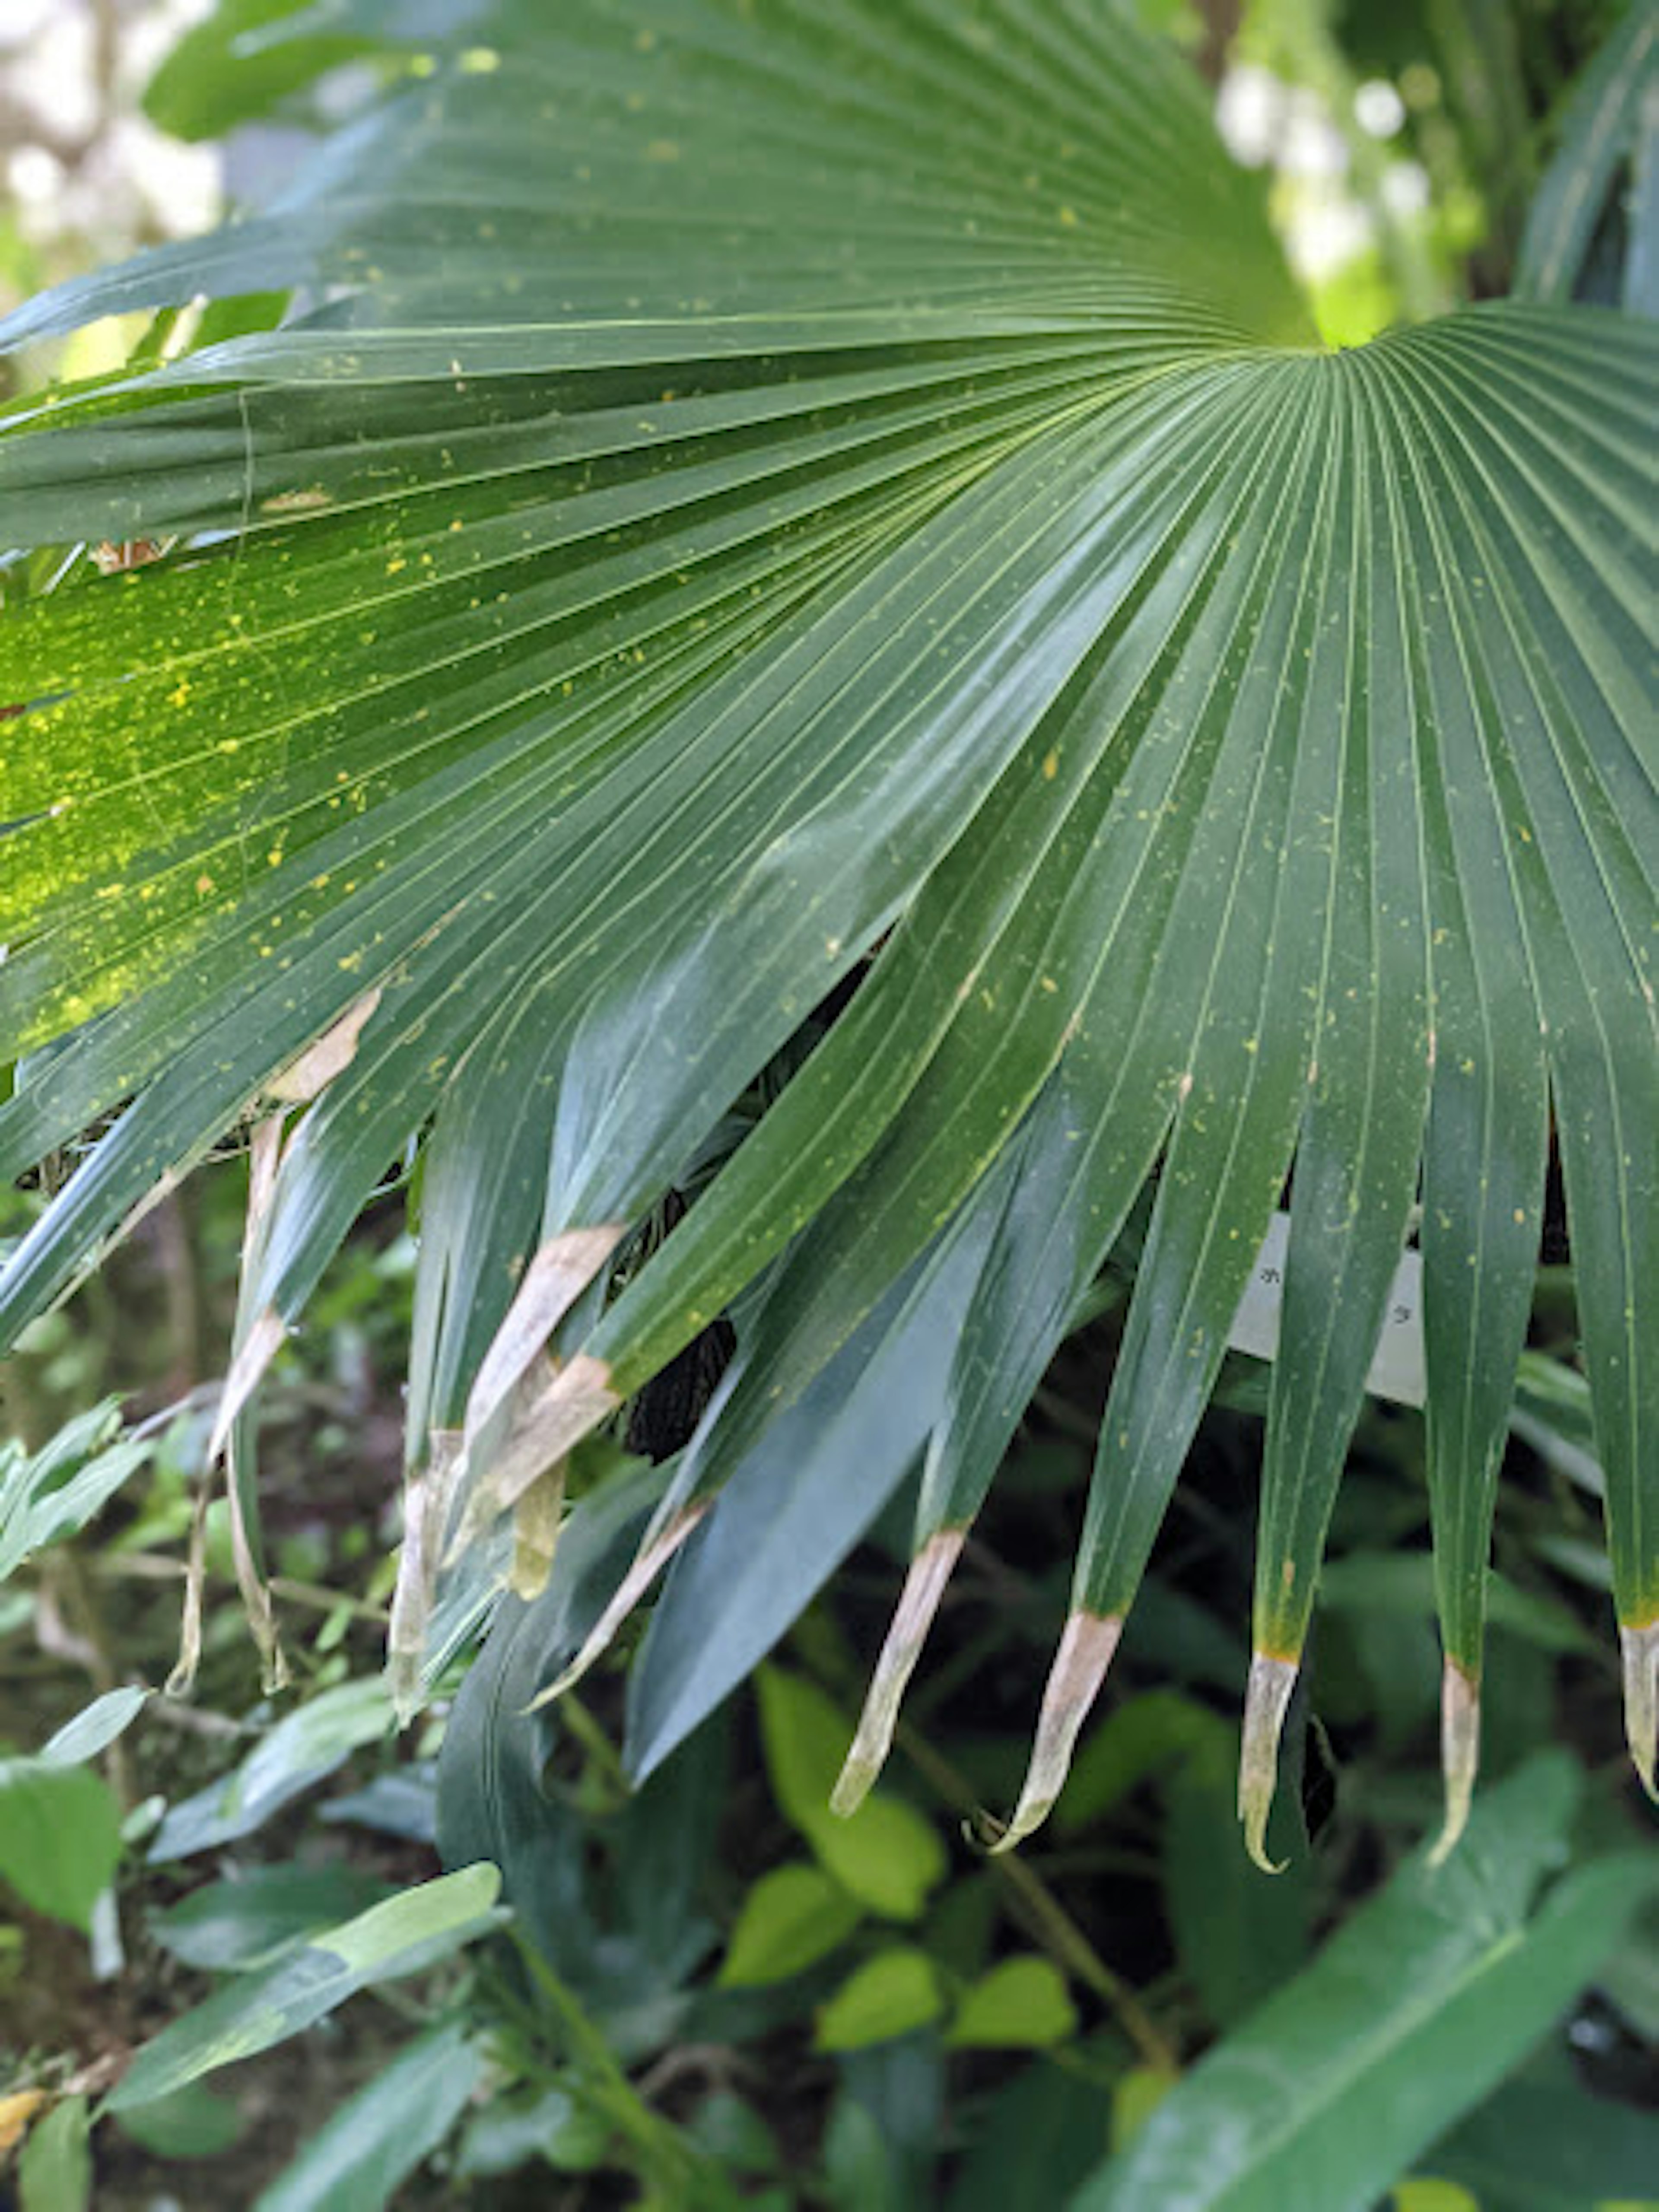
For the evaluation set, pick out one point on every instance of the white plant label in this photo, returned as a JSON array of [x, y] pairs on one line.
[[1396, 1371]]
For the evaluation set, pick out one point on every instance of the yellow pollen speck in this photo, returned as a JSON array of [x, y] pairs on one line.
[[180, 694], [395, 566], [1068, 218], [1521, 1215], [229, 746], [458, 523], [351, 961], [480, 61], [1050, 766]]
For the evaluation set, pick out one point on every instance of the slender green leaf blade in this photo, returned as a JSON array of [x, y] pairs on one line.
[[1425, 2000], [402, 1935]]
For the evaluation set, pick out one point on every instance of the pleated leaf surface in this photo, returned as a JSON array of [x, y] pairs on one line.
[[756, 509]]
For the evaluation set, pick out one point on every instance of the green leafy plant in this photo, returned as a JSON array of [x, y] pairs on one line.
[[708, 1991], [792, 656]]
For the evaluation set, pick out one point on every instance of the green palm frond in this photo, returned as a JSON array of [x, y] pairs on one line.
[[756, 503]]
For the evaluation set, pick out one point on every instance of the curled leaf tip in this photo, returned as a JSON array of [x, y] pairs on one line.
[[1640, 1648], [1266, 1700], [652, 1558], [1459, 1753], [1074, 1680], [924, 1586]]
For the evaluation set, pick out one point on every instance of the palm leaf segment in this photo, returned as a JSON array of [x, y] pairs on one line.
[[746, 496]]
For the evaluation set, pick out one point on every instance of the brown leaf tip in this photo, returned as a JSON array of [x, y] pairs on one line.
[[1640, 1651], [652, 1558], [918, 1601], [1080, 1663], [1459, 1753], [1266, 1699]]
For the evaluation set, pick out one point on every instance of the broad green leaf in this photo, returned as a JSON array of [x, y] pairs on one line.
[[1418, 2005], [60, 1837], [194, 2122], [856, 517], [792, 1917], [1544, 2144], [54, 2170], [885, 1855], [364, 2152], [404, 1934], [223, 72], [245, 1920], [49, 1495], [94, 1728], [304, 1747], [1022, 2004], [1136, 2097], [888, 1995]]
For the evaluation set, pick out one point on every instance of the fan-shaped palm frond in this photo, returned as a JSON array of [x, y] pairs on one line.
[[755, 504]]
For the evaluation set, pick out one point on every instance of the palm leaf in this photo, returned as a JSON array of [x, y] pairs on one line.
[[744, 511]]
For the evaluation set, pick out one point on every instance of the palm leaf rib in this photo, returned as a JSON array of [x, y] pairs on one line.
[[749, 502]]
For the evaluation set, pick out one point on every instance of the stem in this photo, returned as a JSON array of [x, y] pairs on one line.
[[1048, 1918], [665, 2161]]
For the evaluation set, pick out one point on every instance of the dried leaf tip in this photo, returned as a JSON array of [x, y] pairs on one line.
[[1459, 1753], [652, 1558], [426, 1493], [1074, 1680], [1266, 1699], [556, 1278], [1640, 1648], [924, 1586], [536, 1520], [308, 1077], [543, 1428]]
